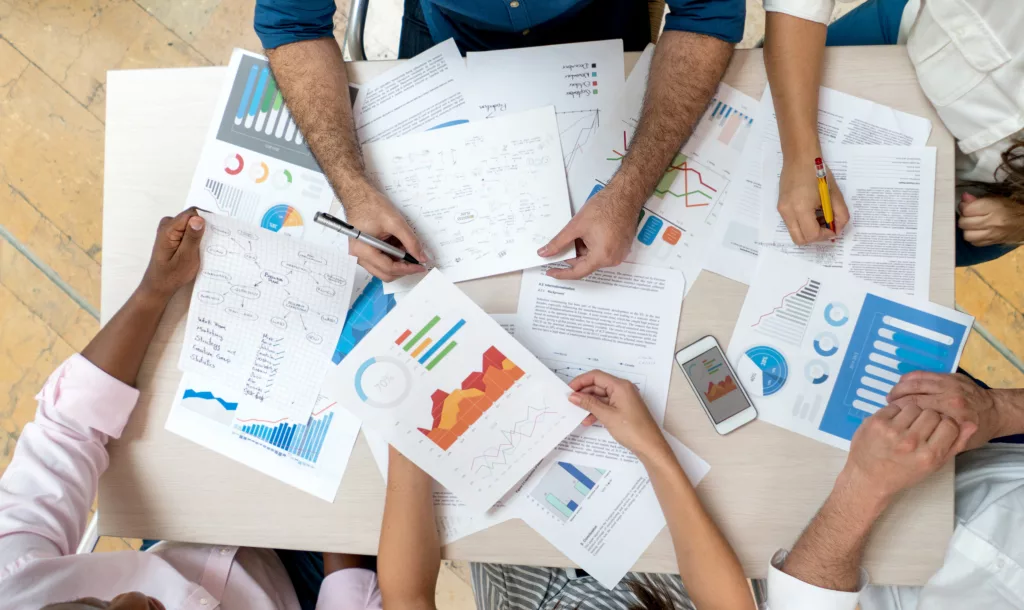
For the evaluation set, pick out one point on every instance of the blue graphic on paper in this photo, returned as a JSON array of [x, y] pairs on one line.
[[650, 230], [836, 314], [369, 308], [826, 344], [889, 340], [774, 370]]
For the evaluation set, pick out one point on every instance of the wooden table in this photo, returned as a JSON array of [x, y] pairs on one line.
[[765, 483]]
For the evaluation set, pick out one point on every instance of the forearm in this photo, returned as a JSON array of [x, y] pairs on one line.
[[120, 346], [1010, 407], [794, 53], [410, 552], [311, 76], [708, 566], [685, 73], [829, 552]]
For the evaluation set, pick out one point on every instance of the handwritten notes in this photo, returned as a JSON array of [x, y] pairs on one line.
[[482, 197], [266, 312]]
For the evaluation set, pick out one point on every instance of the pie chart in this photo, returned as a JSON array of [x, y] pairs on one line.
[[763, 370], [283, 218], [816, 372]]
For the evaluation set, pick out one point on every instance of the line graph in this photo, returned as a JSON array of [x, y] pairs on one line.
[[575, 128], [521, 429], [681, 168]]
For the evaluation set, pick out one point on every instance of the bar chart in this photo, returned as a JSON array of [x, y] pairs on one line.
[[422, 346], [889, 340], [256, 117], [727, 124], [565, 488], [303, 441], [788, 322]]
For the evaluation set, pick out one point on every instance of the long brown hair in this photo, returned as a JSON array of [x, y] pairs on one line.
[[1010, 174], [650, 596]]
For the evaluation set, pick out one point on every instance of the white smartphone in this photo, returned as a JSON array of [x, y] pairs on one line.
[[716, 385]]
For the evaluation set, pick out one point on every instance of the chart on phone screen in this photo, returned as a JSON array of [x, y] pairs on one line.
[[447, 386]]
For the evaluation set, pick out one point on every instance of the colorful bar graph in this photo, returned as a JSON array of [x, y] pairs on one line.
[[419, 350], [441, 356], [448, 335], [423, 331], [250, 82], [577, 474], [302, 441], [402, 337]]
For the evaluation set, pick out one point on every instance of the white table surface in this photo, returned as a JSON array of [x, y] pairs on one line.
[[765, 483]]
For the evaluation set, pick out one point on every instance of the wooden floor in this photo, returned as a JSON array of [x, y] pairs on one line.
[[54, 56]]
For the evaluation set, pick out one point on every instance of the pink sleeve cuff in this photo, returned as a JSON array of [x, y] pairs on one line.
[[85, 394], [350, 588]]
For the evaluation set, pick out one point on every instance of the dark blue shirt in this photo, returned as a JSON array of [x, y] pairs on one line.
[[490, 24]]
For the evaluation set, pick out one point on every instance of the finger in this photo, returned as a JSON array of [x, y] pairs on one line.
[[373, 260], [979, 238], [840, 213], [967, 198], [401, 231], [925, 424], [596, 391], [975, 206], [594, 378], [589, 420], [789, 217], [945, 436], [173, 229], [193, 236], [562, 241], [918, 382], [589, 403], [973, 223], [906, 417], [809, 227], [584, 266], [967, 430], [887, 412]]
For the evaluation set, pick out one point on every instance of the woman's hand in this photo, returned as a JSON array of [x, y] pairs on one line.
[[617, 404], [799, 203], [987, 221], [175, 258]]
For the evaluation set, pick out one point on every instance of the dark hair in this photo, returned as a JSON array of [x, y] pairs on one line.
[[649, 595], [1010, 174]]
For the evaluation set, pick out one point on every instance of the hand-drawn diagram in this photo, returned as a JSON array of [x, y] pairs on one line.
[[483, 196], [265, 315]]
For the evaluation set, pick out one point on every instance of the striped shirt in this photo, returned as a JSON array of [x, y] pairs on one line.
[[510, 587]]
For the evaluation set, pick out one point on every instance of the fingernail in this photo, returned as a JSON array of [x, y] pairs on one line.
[[542, 251], [575, 398], [196, 223]]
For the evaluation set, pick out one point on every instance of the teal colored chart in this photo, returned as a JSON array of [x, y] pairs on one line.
[[763, 369]]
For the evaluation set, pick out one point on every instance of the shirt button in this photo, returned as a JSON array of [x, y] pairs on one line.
[[526, 31], [514, 4], [204, 601], [224, 551]]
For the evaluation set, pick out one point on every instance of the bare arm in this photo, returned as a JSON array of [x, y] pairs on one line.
[[410, 552], [685, 73], [707, 564], [311, 76], [794, 54]]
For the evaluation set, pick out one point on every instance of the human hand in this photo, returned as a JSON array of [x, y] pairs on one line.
[[897, 448], [799, 202], [174, 261], [604, 229], [372, 213], [956, 396], [617, 404], [987, 221]]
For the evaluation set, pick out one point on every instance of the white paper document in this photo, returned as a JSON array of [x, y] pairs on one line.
[[255, 165], [890, 191], [842, 119], [309, 454], [686, 205], [482, 197], [265, 314], [818, 350], [622, 320], [423, 93], [582, 80], [448, 387]]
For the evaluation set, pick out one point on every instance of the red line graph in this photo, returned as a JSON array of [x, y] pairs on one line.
[[277, 421], [683, 168], [781, 303]]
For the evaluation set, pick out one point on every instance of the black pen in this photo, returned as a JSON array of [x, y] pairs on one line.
[[339, 225]]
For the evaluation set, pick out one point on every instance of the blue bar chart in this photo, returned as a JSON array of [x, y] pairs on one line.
[[565, 488], [888, 341], [303, 441]]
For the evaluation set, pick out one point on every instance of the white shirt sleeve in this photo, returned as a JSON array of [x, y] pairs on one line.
[[811, 10], [788, 593]]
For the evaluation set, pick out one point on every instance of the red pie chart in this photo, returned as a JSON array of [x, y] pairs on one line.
[[233, 165]]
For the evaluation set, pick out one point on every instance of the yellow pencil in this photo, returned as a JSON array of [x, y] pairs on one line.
[[826, 201]]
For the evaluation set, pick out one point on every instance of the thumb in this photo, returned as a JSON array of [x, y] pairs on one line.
[[967, 197], [560, 242], [589, 402], [193, 234], [404, 233]]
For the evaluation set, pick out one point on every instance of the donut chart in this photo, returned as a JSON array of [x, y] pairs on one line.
[[836, 314], [234, 165], [816, 372], [283, 218], [260, 173], [282, 179], [763, 370], [826, 344]]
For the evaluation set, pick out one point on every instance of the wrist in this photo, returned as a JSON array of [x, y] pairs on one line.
[[860, 497], [1009, 412], [656, 454], [148, 296]]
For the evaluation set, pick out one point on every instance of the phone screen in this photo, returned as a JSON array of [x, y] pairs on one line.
[[716, 385]]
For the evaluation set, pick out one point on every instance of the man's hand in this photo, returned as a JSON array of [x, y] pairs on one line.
[[987, 221], [372, 213], [617, 404], [604, 229], [985, 413], [175, 258], [897, 448], [799, 203]]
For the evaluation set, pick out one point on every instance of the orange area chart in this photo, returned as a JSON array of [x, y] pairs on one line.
[[454, 413], [720, 389]]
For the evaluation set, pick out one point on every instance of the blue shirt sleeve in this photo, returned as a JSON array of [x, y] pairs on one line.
[[722, 19], [279, 22]]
